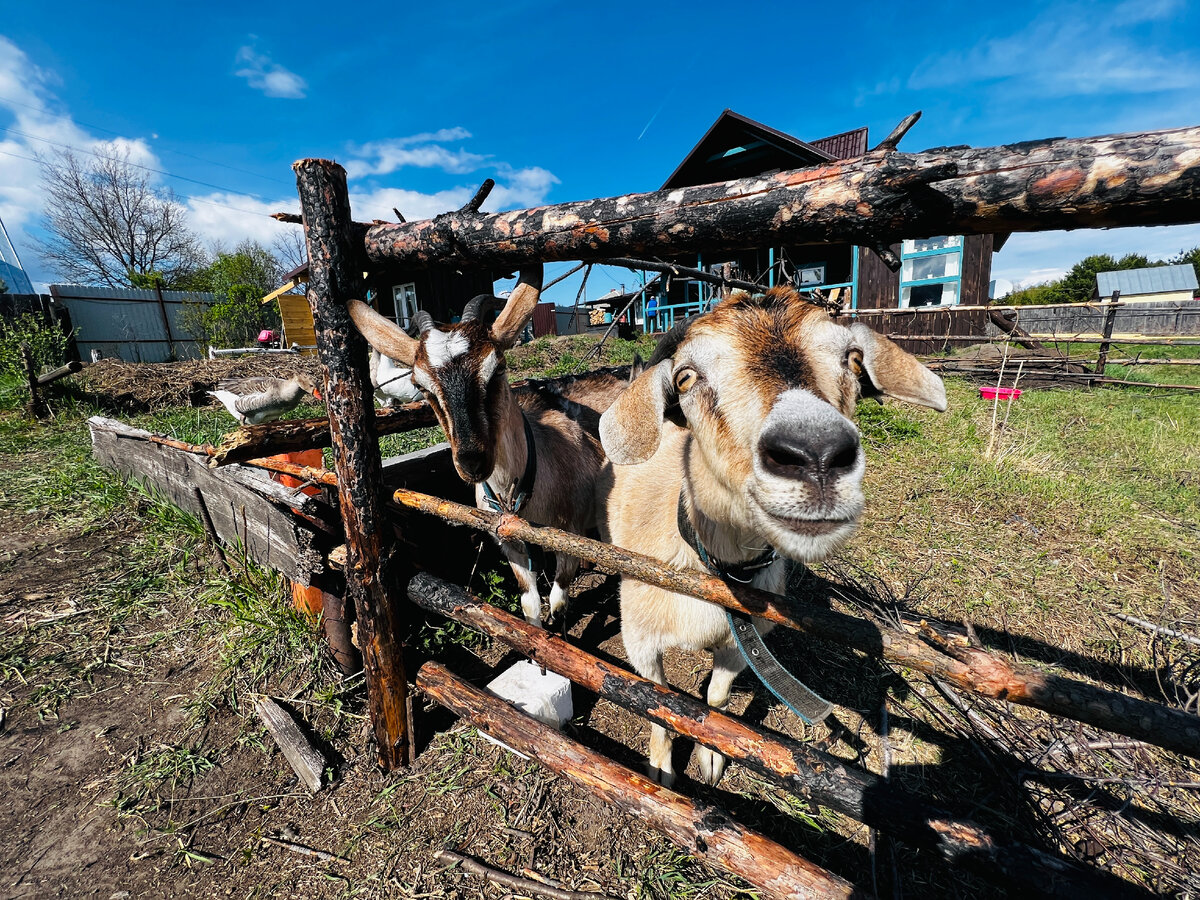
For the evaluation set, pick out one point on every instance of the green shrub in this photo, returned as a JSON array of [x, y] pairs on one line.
[[47, 341]]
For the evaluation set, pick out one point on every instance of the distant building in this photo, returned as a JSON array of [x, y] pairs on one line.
[[1153, 283], [944, 270], [11, 269]]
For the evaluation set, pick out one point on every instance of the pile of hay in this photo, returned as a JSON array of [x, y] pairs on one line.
[[147, 387]]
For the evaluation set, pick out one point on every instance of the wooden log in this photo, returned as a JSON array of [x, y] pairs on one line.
[[703, 830], [1011, 328], [969, 669], [819, 777], [335, 267], [872, 200], [254, 441], [61, 372], [305, 759]]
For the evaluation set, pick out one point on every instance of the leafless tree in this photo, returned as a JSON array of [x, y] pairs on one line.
[[289, 247], [106, 220]]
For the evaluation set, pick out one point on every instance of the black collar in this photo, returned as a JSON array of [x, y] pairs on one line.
[[741, 572], [524, 489]]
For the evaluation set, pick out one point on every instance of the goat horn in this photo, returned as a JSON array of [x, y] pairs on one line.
[[476, 306], [423, 320], [669, 343], [383, 334], [519, 308]]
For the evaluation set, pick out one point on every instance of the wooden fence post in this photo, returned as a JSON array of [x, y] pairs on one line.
[[37, 406], [1110, 319], [335, 267]]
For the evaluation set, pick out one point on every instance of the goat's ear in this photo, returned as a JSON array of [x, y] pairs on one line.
[[384, 335], [897, 373], [519, 308], [630, 429]]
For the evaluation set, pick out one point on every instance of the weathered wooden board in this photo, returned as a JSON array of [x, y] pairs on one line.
[[245, 508]]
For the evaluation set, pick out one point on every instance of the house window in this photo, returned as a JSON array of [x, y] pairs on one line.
[[811, 276], [404, 296], [931, 271]]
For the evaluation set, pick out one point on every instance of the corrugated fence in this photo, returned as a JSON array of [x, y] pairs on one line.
[[133, 324]]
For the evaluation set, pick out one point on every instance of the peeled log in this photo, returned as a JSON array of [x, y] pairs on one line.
[[705, 831], [872, 200]]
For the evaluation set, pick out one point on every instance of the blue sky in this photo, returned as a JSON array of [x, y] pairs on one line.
[[562, 101]]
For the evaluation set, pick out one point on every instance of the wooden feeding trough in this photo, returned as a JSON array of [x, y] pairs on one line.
[[873, 200]]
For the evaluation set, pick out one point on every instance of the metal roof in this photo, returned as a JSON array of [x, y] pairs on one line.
[[846, 145], [1154, 280]]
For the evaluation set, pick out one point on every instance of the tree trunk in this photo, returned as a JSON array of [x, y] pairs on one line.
[[819, 777], [335, 276], [873, 200], [705, 831]]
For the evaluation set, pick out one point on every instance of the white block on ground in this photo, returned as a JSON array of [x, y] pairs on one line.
[[545, 697]]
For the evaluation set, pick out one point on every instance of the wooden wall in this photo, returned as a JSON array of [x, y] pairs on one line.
[[878, 286], [977, 270], [940, 328]]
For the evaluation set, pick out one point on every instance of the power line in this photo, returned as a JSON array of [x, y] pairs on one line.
[[212, 162], [164, 172]]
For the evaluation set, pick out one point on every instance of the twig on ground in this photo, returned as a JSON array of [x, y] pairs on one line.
[[525, 885], [303, 850]]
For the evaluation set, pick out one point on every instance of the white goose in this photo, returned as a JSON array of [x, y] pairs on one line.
[[253, 401], [392, 382]]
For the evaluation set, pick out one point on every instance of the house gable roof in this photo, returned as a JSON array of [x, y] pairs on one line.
[[738, 147]]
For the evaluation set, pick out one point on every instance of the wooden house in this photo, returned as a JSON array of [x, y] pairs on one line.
[[945, 270], [441, 291]]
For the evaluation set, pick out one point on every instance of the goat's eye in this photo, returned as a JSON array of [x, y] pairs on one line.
[[685, 378], [854, 360]]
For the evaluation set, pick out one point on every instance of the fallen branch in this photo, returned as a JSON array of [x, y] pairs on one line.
[[701, 829], [516, 882], [796, 767], [303, 850], [1158, 629], [971, 669]]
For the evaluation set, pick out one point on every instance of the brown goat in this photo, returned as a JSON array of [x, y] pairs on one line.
[[740, 422], [537, 453]]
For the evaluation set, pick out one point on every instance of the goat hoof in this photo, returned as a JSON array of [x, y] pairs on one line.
[[665, 777], [711, 765]]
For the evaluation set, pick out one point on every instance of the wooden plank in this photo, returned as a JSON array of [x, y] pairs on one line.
[[271, 534], [306, 761], [282, 289]]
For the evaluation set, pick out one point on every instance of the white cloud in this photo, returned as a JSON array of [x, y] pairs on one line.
[[1069, 50], [1043, 256], [226, 219], [269, 77], [36, 129], [388, 157]]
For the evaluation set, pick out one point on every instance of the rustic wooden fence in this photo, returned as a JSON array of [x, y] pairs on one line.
[[873, 200]]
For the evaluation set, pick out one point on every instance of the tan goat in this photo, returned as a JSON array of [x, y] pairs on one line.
[[740, 422], [537, 453]]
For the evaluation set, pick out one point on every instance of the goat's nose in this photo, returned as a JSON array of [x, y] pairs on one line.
[[473, 463], [828, 452]]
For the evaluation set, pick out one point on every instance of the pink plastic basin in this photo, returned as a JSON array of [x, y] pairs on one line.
[[266, 335], [992, 393]]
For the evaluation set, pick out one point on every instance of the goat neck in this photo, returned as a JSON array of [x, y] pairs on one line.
[[512, 451], [718, 516]]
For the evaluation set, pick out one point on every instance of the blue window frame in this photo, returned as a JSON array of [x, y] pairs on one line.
[[931, 271]]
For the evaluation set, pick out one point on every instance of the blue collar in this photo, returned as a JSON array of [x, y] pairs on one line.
[[740, 572]]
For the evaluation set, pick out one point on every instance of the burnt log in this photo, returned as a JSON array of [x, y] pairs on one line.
[[335, 267], [819, 777], [255, 441], [966, 668], [701, 829], [872, 200]]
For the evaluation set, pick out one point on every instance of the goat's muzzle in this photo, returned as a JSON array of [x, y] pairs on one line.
[[473, 464], [819, 456]]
